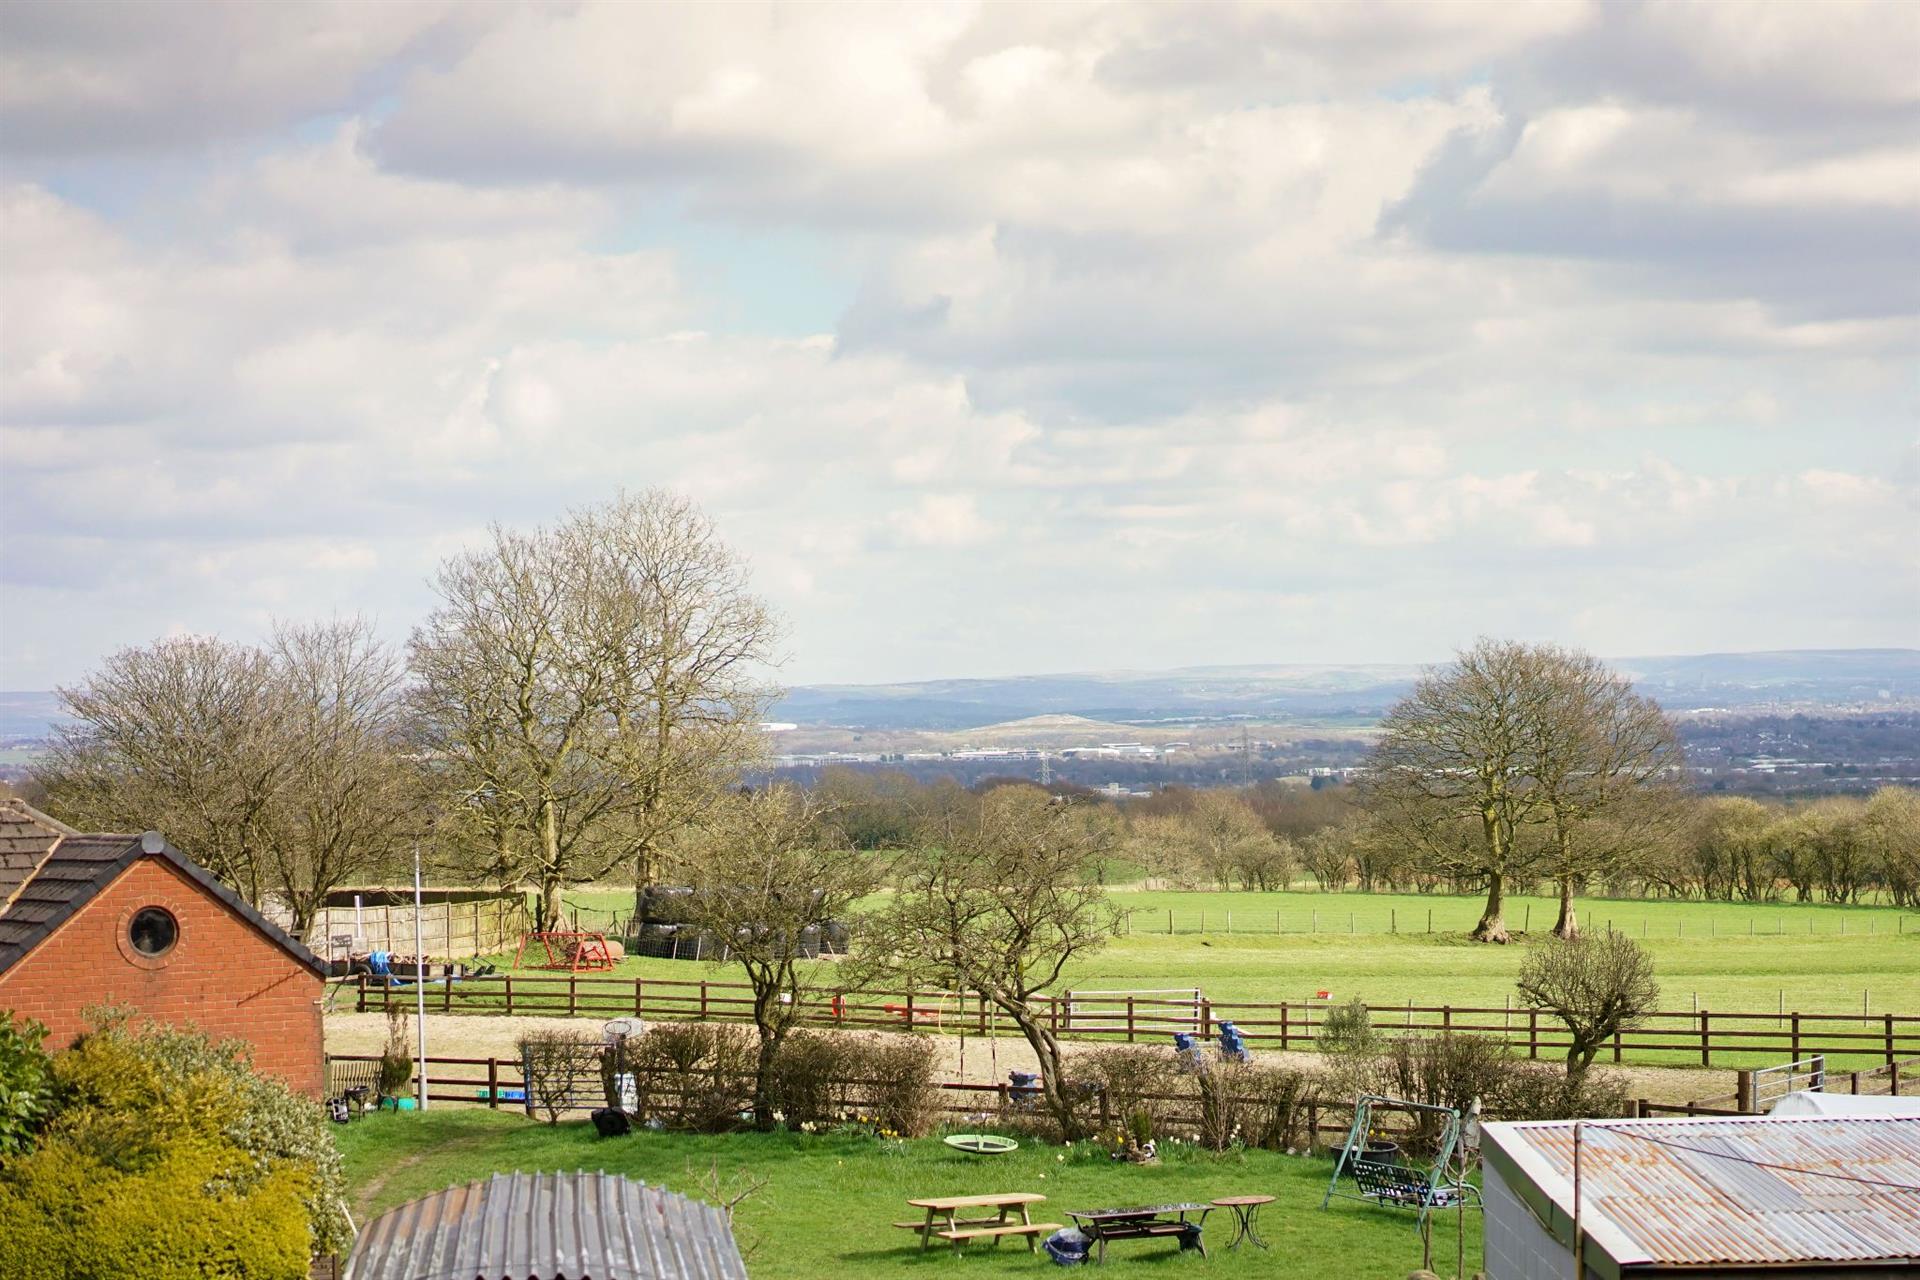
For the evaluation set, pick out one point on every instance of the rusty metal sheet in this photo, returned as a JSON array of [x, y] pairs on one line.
[[1699, 1191], [549, 1226]]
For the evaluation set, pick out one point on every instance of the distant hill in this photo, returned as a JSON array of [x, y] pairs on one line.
[[1807, 678]]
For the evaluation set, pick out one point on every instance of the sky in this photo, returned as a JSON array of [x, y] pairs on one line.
[[998, 339]]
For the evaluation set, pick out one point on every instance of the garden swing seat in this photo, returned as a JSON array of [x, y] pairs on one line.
[[1404, 1188], [1398, 1186]]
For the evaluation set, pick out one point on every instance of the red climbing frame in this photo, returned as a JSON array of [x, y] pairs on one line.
[[574, 952]]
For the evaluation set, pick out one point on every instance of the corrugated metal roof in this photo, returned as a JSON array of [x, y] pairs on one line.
[[549, 1226], [1696, 1191]]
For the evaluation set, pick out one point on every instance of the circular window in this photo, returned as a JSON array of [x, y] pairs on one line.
[[153, 931]]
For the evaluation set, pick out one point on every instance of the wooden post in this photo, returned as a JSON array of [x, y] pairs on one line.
[[1616, 1046], [1283, 1026], [1129, 1019], [446, 996], [639, 995], [509, 995], [703, 1003], [573, 994], [1206, 1018], [493, 1083], [1393, 920], [1743, 1090], [1795, 1055], [1446, 1018], [386, 927], [360, 1000], [1533, 1033], [449, 938], [1890, 1061], [1706, 1040]]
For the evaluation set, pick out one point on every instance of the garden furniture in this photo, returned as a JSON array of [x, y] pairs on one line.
[[1144, 1222], [944, 1221], [1244, 1209]]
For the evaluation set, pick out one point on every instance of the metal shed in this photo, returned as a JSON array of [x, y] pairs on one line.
[[1739, 1196], [549, 1226]]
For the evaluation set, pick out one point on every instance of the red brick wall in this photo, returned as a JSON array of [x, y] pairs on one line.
[[221, 975]]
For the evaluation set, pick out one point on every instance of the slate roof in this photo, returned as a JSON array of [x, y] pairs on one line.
[[549, 1226], [26, 836], [77, 867]]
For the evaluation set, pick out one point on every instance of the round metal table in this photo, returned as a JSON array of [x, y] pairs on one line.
[[1245, 1210]]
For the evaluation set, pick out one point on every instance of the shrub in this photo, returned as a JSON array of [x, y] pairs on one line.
[[810, 1075], [190, 1213], [1537, 1091], [1348, 1028], [896, 1079], [1137, 1080], [695, 1075], [559, 1067], [26, 1082], [1445, 1071], [1275, 1113], [127, 1096]]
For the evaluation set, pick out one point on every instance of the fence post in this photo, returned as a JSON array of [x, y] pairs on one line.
[[1206, 1018], [1889, 1039], [1795, 1055], [983, 1015], [703, 1003], [1129, 1019], [1313, 1126], [493, 1084], [509, 994], [360, 1001], [1283, 1026], [573, 994], [1706, 1040], [446, 998], [639, 996], [1446, 1018], [1533, 1033], [1743, 1090], [1616, 1044]]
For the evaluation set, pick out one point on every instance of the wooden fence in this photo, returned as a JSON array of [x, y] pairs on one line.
[[479, 926], [1694, 1035]]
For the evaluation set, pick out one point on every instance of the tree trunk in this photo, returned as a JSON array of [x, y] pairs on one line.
[[1046, 1050], [763, 1079], [551, 901], [1493, 923], [1568, 926]]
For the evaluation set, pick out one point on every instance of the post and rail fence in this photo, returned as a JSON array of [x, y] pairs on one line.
[[1699, 1035]]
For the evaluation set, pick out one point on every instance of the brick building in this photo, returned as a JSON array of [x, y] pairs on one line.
[[128, 920]]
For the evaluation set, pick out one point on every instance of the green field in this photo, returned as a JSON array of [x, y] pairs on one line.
[[829, 1198], [1812, 957]]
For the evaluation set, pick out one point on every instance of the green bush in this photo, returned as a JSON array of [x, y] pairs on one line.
[[1138, 1081], [70, 1216], [26, 1082], [1348, 1028], [894, 1074], [694, 1075], [128, 1097], [809, 1078]]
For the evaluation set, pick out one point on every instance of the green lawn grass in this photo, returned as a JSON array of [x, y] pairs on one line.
[[829, 1198], [1813, 957]]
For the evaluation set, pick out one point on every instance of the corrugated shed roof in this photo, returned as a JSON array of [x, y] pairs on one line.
[[549, 1226], [1742, 1190]]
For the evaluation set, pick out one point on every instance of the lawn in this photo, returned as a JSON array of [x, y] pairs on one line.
[[1813, 957], [829, 1198]]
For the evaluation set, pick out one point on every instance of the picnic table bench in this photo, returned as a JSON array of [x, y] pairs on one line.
[[1144, 1222], [943, 1219]]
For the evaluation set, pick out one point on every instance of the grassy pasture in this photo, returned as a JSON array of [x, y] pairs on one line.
[[829, 1198]]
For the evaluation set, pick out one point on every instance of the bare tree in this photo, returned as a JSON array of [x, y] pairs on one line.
[[1596, 985], [769, 873], [689, 646], [1599, 755], [511, 692], [347, 798], [182, 736], [1001, 896], [1451, 776], [588, 688]]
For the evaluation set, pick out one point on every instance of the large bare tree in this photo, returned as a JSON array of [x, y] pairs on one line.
[[347, 799], [1604, 762], [1001, 896], [281, 770], [1451, 776], [181, 736], [586, 689], [769, 872]]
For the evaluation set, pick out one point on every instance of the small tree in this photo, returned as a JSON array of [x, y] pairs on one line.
[[559, 1067], [26, 1082], [1597, 985], [1003, 894], [769, 873]]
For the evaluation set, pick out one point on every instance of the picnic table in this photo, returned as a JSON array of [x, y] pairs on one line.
[[1144, 1222], [944, 1221]]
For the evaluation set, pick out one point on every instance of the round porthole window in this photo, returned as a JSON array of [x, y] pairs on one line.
[[153, 931]]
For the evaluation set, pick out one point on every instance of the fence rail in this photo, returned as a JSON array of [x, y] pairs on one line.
[[1287, 1025]]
